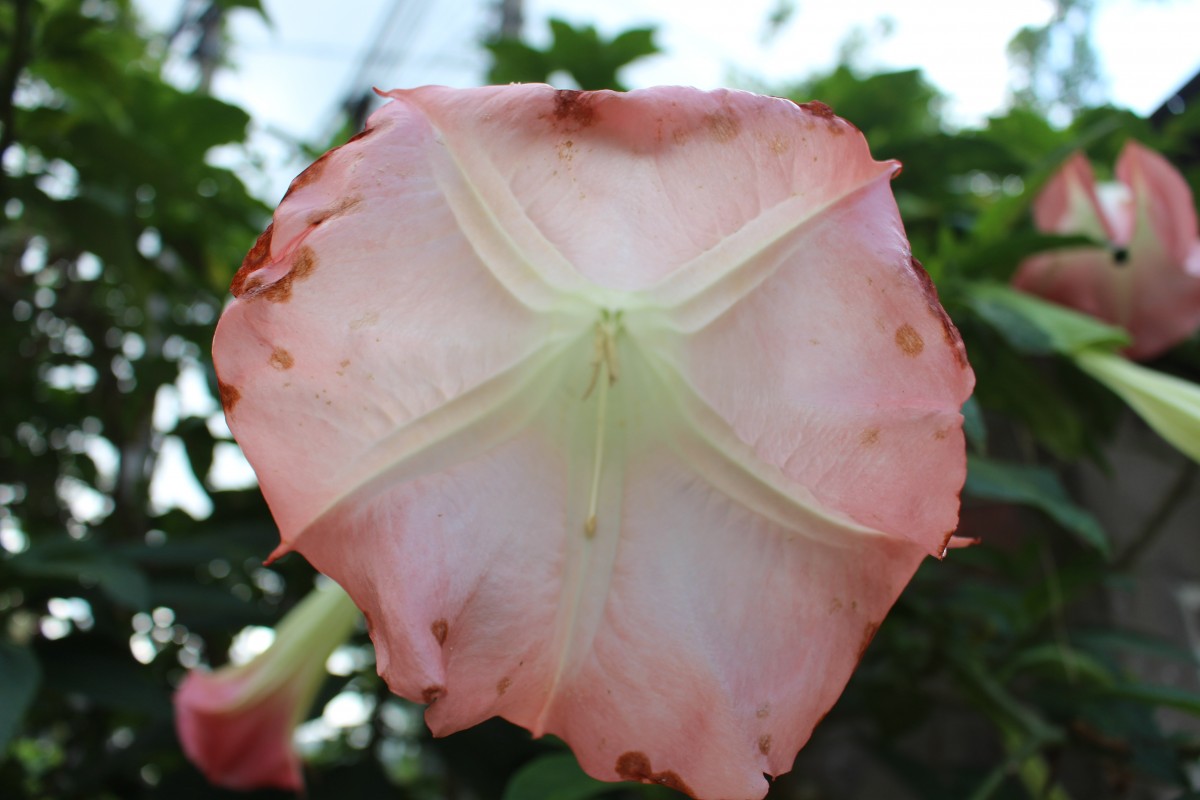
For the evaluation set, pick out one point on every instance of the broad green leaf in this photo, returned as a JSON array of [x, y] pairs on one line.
[[554, 777], [1170, 696], [1035, 326], [18, 686], [1135, 642], [1169, 405], [1038, 487], [1065, 660]]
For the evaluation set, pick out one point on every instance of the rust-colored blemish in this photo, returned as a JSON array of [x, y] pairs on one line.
[[679, 136], [764, 744], [315, 169], [942, 433], [341, 370], [835, 606], [304, 261], [573, 108], [440, 629], [503, 685], [949, 332], [818, 109], [258, 255], [432, 693], [634, 766], [229, 396], [281, 359], [778, 145], [909, 341], [763, 711], [310, 174], [343, 206], [723, 126], [566, 151], [869, 436]]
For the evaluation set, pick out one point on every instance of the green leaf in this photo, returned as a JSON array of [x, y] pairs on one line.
[[1173, 697], [974, 425], [554, 777], [1067, 661], [1037, 487], [1136, 642], [1037, 327], [21, 677]]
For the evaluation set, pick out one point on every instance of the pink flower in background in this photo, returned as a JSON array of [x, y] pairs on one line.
[[625, 417], [1148, 279], [236, 723]]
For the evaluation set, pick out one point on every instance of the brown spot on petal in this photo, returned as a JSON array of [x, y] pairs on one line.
[[779, 145], [634, 766], [440, 629], [869, 436], [949, 332], [310, 174], [573, 109], [818, 109], [764, 744], [909, 341], [942, 433], [229, 396], [763, 711], [343, 206], [431, 693], [253, 261], [723, 126], [304, 261], [281, 359], [503, 685], [835, 605], [314, 170]]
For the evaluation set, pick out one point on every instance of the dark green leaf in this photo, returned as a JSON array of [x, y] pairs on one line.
[[1037, 487], [1170, 696], [1035, 326], [18, 686], [554, 777]]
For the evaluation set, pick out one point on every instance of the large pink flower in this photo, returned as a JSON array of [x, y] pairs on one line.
[[1147, 279], [236, 723], [625, 417]]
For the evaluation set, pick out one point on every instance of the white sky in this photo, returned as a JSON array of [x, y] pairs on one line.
[[292, 74]]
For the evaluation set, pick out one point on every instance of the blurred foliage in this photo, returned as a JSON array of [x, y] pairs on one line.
[[999, 675], [579, 53]]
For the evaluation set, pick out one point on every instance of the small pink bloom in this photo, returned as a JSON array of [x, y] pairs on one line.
[[1148, 279], [625, 417], [236, 723]]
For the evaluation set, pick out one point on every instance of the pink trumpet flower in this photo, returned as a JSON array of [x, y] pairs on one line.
[[1147, 280], [236, 723], [625, 417]]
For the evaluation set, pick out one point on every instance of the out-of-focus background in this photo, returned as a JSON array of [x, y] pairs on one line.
[[144, 144]]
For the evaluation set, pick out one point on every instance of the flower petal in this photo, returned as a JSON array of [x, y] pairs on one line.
[[1070, 204], [623, 417], [342, 333], [1165, 208]]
